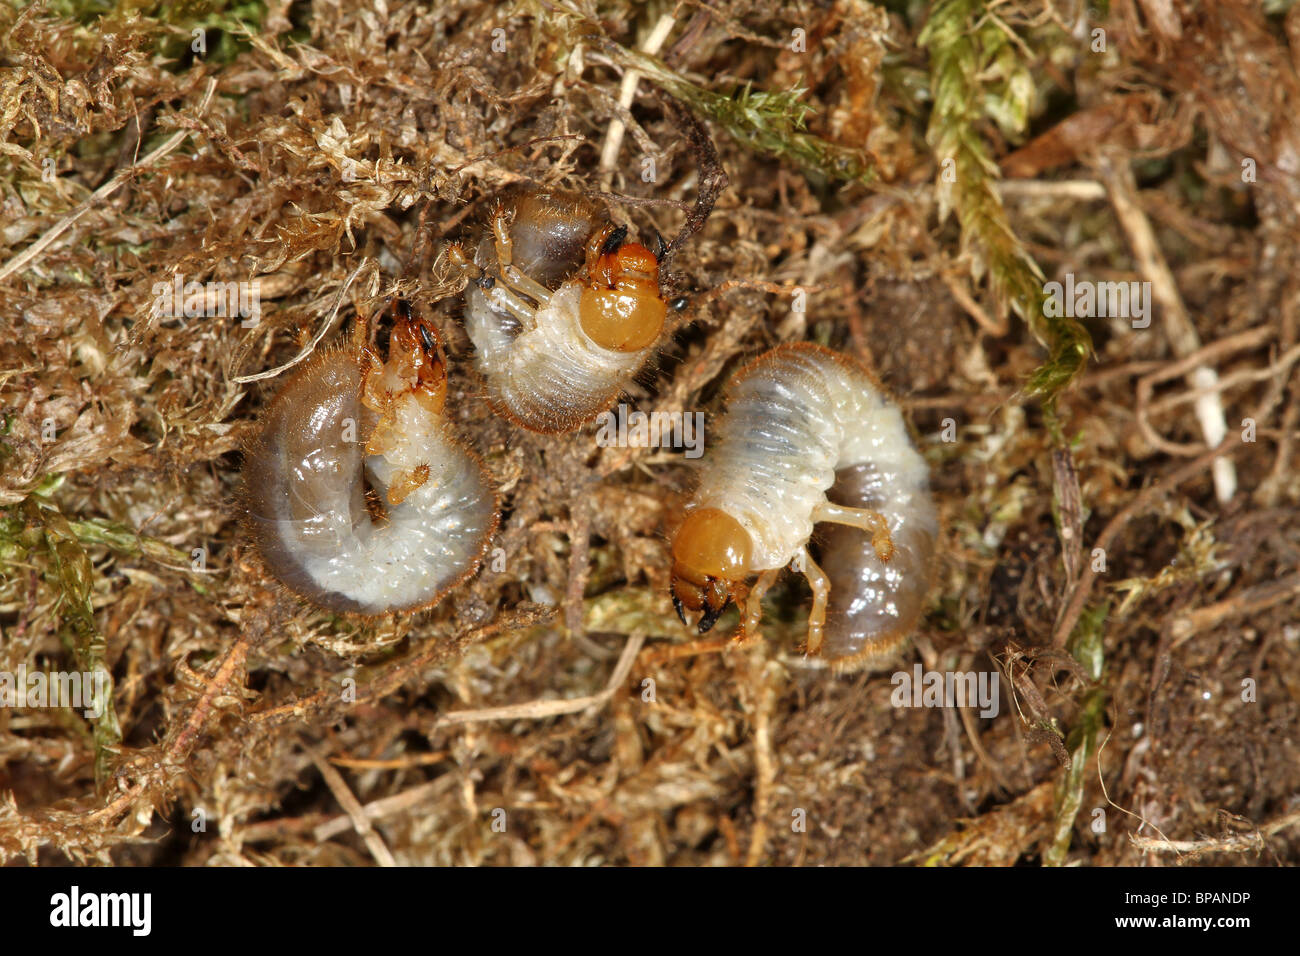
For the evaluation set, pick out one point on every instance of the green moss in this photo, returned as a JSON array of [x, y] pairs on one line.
[[975, 73], [768, 122], [73, 577], [1086, 644], [168, 21]]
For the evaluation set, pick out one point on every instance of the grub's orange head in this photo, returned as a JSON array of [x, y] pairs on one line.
[[711, 555], [416, 363], [621, 308]]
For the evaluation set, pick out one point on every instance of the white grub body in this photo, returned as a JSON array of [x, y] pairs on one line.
[[804, 425], [305, 497], [551, 378]]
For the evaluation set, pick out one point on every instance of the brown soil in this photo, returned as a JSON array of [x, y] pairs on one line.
[[337, 138]]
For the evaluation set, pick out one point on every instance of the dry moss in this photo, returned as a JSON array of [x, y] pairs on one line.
[[330, 151]]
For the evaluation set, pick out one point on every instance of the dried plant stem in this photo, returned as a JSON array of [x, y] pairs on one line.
[[356, 813], [198, 716], [1082, 190], [1245, 376], [579, 560], [626, 96], [385, 807], [1243, 843], [320, 334], [537, 709], [995, 327], [1179, 330], [324, 827], [1246, 843], [1252, 600], [1271, 487], [397, 763], [764, 765], [1249, 339], [1070, 613], [232, 662]]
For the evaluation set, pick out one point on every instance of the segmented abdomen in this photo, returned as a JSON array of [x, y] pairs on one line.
[[800, 420], [550, 379], [306, 508], [773, 453], [553, 378]]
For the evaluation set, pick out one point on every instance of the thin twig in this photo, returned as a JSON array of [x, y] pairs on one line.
[[626, 96], [579, 560], [311, 346], [537, 709], [352, 806], [994, 327], [764, 765], [1241, 341], [198, 716], [396, 763], [1179, 330], [386, 806], [1250, 601], [1070, 614], [1080, 189], [24, 258], [1242, 377], [1243, 843]]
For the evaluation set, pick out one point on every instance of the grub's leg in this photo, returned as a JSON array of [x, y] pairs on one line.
[[529, 287], [498, 293], [505, 247], [754, 603], [872, 522], [508, 300], [821, 589]]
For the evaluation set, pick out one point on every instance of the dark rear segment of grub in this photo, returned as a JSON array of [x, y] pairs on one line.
[[550, 231], [874, 604]]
